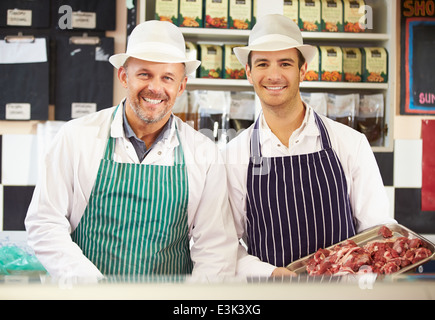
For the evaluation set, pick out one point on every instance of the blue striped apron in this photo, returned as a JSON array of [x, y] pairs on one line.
[[296, 204], [136, 220]]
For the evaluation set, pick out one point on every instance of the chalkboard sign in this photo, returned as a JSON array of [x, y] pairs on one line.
[[417, 57]]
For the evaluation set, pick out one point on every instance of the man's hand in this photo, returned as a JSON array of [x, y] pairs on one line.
[[282, 272]]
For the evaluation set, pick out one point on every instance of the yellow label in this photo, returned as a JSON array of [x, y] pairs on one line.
[[240, 14], [352, 64], [216, 13], [233, 67], [331, 63], [353, 12], [332, 15], [309, 15], [290, 9], [167, 10], [190, 13], [211, 61], [375, 64], [313, 69]]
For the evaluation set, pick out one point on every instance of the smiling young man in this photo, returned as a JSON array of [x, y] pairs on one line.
[[297, 181], [132, 190]]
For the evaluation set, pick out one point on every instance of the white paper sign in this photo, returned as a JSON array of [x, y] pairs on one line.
[[80, 109], [16, 17], [84, 20], [17, 111]]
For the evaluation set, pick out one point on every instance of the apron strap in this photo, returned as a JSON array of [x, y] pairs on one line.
[[324, 136]]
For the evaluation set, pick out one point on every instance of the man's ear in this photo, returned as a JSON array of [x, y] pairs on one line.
[[183, 85], [248, 73], [303, 72], [122, 76]]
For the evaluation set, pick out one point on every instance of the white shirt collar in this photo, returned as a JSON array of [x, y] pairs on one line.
[[307, 128]]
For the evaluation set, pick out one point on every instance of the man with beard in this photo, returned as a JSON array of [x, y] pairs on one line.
[[132, 190]]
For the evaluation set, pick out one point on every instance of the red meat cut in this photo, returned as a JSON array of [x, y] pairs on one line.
[[382, 256]]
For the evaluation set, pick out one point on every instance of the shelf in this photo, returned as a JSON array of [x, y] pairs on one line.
[[244, 84], [231, 35], [343, 85]]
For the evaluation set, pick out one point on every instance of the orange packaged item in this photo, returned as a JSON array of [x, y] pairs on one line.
[[375, 64], [313, 69], [216, 14], [291, 10], [233, 67], [240, 14], [309, 15], [332, 15], [331, 64], [167, 10], [352, 64], [211, 56], [354, 12], [191, 13]]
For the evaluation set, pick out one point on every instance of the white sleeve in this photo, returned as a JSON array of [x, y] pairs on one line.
[[368, 196], [214, 247], [47, 221]]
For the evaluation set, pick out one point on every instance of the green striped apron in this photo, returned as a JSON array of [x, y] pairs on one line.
[[136, 220]]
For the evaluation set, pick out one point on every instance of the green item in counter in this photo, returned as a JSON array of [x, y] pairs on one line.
[[14, 260]]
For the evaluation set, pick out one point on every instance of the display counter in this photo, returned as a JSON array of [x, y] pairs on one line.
[[411, 286]]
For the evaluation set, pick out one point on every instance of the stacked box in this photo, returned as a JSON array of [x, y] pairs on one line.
[[375, 64], [310, 15], [332, 15], [216, 14], [331, 63], [352, 64], [240, 14], [211, 56], [167, 10], [191, 13]]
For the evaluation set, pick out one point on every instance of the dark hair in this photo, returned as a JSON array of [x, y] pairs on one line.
[[301, 59]]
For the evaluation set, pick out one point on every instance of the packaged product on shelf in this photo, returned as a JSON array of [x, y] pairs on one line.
[[233, 68], [352, 64], [216, 14], [167, 10], [313, 69], [375, 64], [190, 14], [242, 112], [291, 10], [331, 63], [213, 109], [343, 108], [317, 100], [240, 14], [309, 15], [370, 118], [353, 13], [191, 53], [211, 56], [332, 15]]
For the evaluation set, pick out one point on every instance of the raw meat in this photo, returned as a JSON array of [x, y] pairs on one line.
[[382, 256]]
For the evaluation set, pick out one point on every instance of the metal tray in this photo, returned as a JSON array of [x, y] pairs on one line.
[[372, 234]]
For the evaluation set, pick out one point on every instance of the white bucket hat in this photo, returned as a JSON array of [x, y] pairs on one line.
[[156, 41], [275, 32]]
